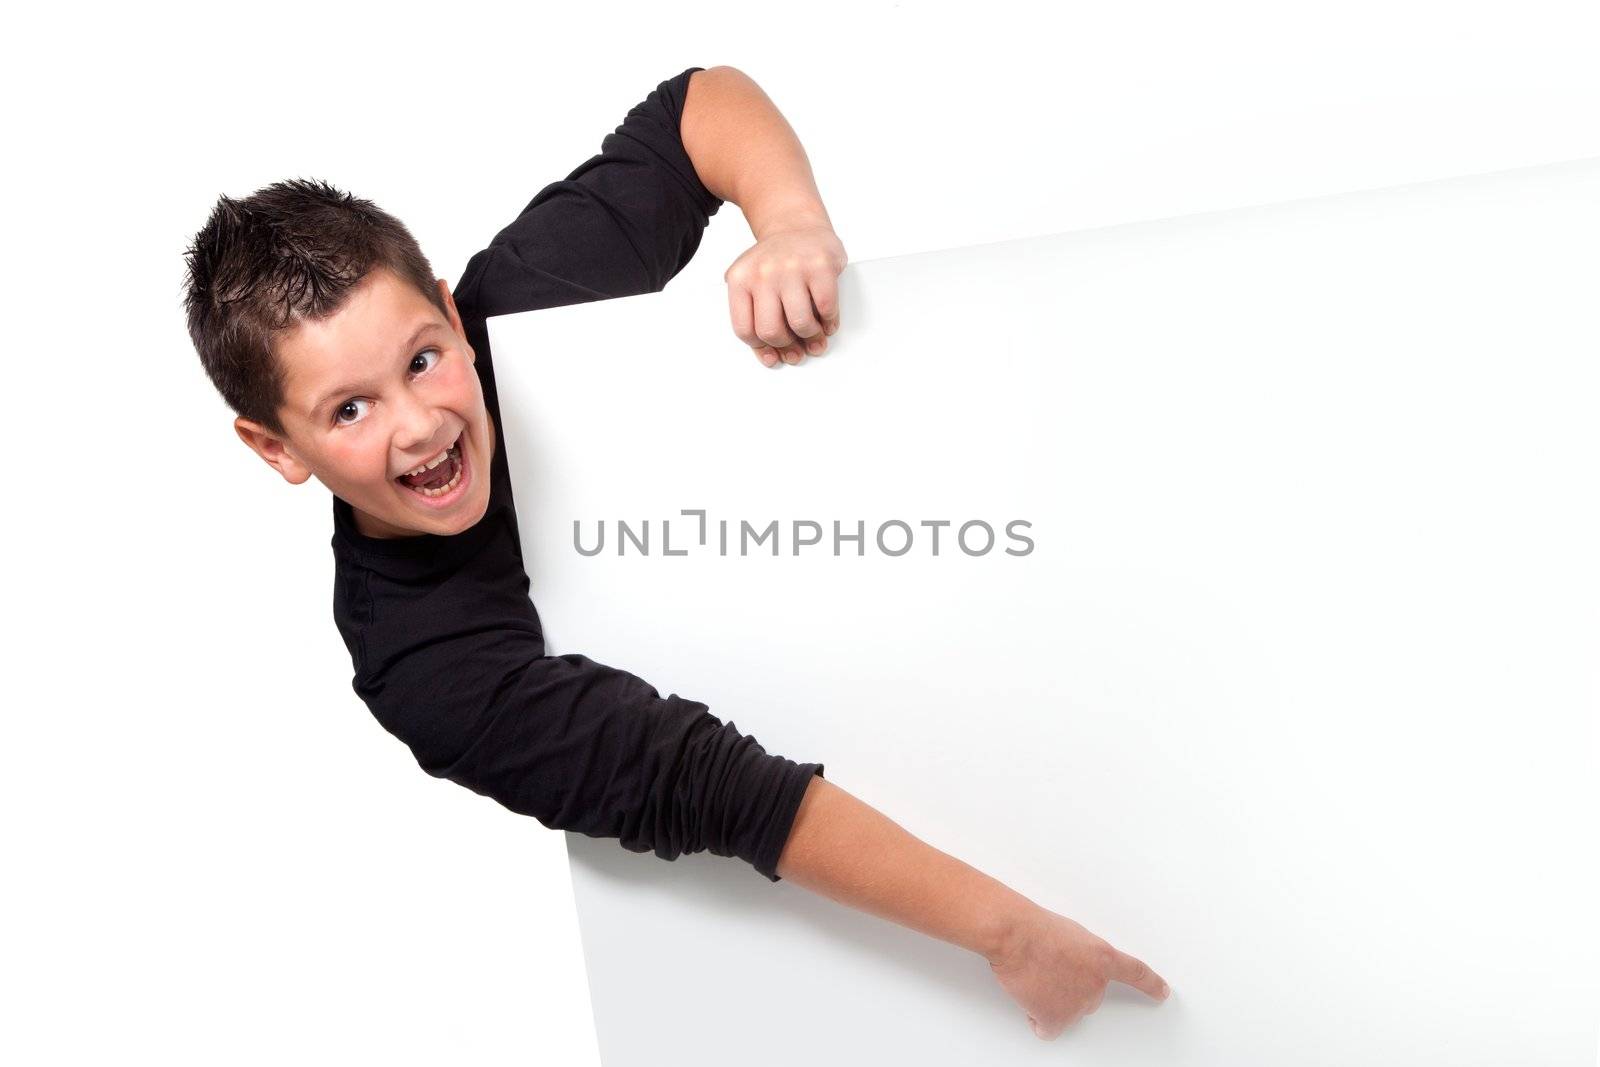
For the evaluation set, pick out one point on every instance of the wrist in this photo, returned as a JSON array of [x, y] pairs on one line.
[[768, 219], [1011, 924]]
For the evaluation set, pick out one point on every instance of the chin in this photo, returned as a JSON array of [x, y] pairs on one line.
[[463, 524]]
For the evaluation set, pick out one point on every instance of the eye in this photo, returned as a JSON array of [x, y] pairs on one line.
[[426, 351], [342, 408]]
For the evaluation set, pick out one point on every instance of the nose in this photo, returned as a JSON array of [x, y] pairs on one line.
[[417, 424]]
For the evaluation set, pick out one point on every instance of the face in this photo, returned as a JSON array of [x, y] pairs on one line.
[[377, 390]]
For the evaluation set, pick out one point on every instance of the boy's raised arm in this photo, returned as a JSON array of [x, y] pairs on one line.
[[627, 220], [782, 292]]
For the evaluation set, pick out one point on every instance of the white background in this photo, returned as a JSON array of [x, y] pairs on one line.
[[215, 852]]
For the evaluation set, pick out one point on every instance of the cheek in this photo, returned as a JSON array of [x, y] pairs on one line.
[[360, 460], [462, 380], [458, 367]]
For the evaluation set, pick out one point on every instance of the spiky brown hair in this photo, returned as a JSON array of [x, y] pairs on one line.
[[289, 252]]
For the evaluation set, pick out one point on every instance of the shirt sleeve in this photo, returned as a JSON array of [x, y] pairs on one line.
[[625, 222], [572, 742]]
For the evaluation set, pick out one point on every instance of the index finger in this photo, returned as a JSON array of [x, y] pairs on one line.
[[1137, 973]]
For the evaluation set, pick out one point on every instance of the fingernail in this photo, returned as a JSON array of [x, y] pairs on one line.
[[814, 347]]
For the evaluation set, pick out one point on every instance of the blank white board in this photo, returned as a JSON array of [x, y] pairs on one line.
[[1293, 695]]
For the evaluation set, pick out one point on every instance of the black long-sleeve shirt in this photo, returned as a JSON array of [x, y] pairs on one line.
[[447, 647]]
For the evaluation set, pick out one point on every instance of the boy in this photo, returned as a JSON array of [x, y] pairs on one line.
[[321, 323]]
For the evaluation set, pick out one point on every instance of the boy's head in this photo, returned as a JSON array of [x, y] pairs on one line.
[[320, 322]]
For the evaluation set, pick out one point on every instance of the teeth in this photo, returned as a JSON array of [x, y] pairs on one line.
[[443, 489], [434, 462]]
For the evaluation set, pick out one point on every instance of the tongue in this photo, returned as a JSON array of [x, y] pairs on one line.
[[432, 479]]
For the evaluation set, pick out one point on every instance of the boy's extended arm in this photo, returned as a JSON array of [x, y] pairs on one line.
[[1056, 970]]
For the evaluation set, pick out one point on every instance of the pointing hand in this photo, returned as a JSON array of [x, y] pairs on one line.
[[1058, 971]]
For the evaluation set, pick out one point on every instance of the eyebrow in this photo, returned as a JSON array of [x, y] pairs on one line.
[[356, 387]]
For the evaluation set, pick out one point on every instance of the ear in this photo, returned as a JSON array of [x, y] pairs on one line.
[[455, 317], [273, 449]]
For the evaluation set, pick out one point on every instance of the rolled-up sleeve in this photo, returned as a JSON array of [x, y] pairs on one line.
[[582, 746], [624, 222]]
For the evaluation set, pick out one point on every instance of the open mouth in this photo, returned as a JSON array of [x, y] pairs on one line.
[[442, 483]]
